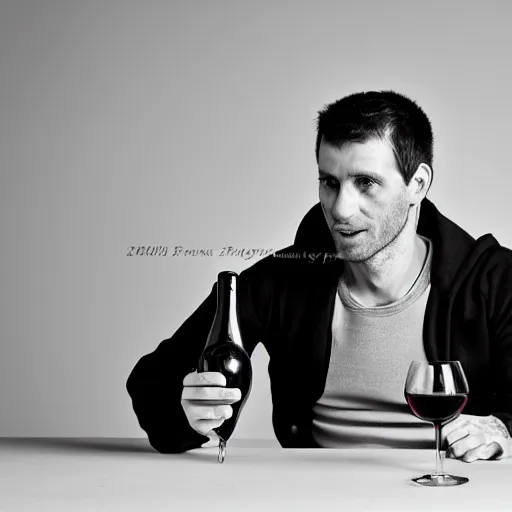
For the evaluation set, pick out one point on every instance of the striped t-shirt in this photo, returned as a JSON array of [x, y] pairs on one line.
[[363, 401]]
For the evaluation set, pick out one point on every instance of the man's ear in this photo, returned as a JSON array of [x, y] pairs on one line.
[[419, 184]]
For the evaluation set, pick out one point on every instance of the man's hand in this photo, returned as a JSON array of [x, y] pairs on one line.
[[471, 438], [206, 402]]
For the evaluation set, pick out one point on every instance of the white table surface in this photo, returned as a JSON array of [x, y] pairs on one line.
[[98, 474]]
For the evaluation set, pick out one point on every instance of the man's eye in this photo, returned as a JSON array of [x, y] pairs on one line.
[[328, 182], [366, 182]]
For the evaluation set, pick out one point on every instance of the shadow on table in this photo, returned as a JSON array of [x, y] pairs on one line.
[[100, 444], [116, 445]]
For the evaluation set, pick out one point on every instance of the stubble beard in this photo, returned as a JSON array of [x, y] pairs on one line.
[[384, 246]]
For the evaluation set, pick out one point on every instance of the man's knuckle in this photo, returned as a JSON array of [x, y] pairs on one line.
[[203, 379], [223, 411], [457, 452]]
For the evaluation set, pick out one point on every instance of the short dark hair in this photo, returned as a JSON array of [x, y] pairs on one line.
[[386, 115]]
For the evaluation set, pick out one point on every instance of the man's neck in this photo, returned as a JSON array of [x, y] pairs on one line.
[[388, 276]]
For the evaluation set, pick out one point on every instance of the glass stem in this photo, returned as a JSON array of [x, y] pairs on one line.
[[439, 461]]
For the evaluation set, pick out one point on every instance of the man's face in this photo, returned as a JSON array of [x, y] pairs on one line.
[[362, 189]]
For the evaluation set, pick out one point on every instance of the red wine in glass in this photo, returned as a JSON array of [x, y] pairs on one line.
[[437, 392], [437, 408]]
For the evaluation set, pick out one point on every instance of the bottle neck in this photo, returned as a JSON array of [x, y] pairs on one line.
[[226, 318]]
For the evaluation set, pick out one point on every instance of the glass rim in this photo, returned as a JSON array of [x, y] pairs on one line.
[[451, 361]]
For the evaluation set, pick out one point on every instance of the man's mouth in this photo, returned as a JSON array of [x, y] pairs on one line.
[[349, 234]]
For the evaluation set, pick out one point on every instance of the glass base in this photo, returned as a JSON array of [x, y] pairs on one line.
[[442, 480]]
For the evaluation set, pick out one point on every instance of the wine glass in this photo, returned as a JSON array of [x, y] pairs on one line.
[[437, 392]]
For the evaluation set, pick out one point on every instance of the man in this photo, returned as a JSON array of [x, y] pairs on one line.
[[384, 279]]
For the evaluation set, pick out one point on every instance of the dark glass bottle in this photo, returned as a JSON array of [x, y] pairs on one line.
[[224, 351]]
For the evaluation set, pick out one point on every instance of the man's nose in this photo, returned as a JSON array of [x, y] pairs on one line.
[[345, 205]]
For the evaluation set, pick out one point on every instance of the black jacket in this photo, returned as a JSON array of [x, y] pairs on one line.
[[286, 302]]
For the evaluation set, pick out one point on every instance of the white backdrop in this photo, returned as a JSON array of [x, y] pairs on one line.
[[127, 123]]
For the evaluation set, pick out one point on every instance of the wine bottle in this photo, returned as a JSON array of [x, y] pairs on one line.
[[224, 352]]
